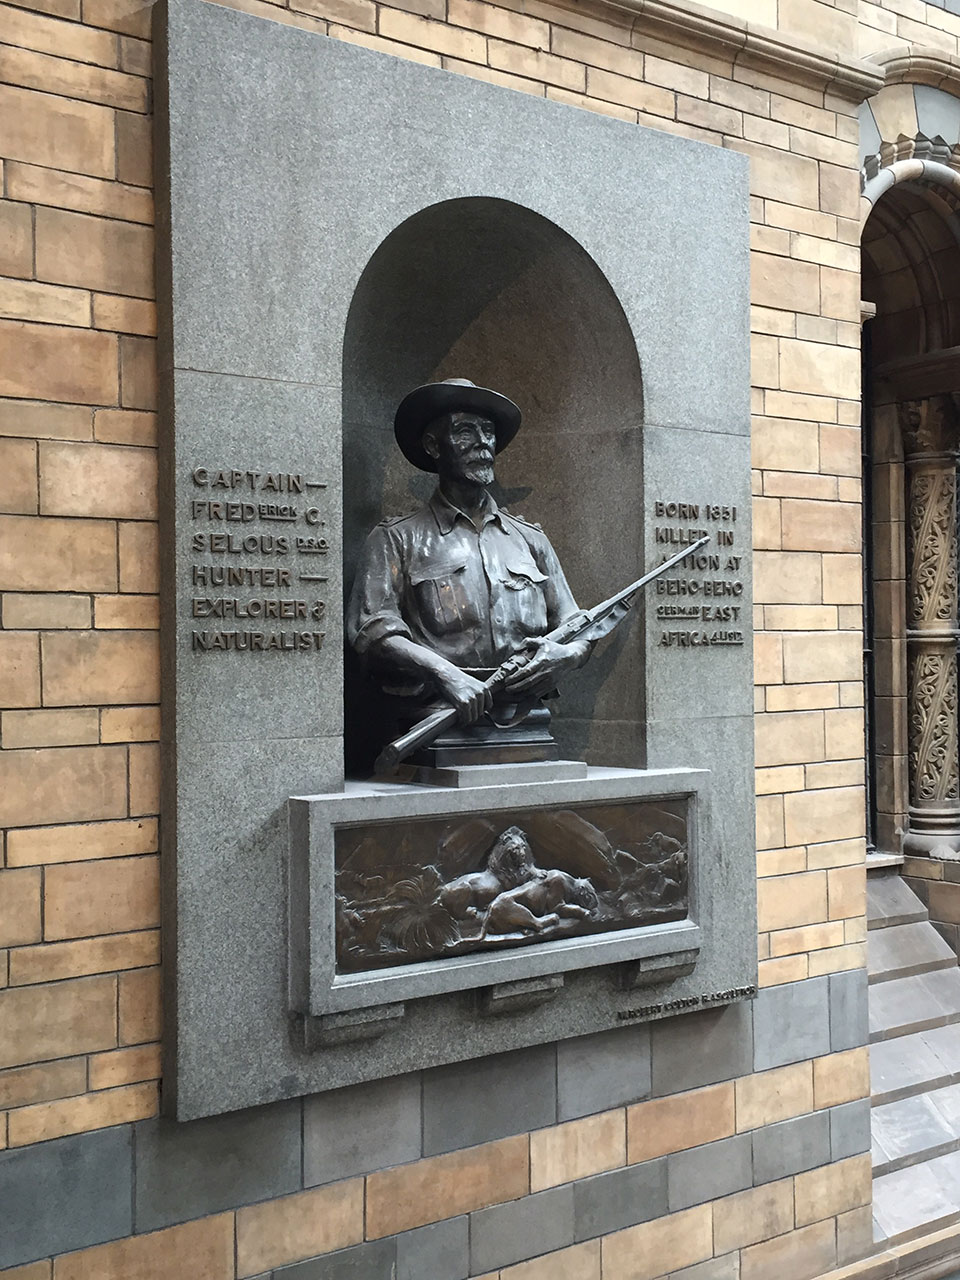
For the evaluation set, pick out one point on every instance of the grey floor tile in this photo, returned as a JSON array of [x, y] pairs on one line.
[[910, 1200], [905, 1065], [905, 949], [906, 1128]]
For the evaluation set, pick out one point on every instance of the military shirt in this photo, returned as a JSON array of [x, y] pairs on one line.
[[473, 595]]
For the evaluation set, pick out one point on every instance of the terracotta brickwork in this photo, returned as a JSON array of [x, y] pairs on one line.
[[79, 719]]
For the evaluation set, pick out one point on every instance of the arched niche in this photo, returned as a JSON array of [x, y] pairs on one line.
[[485, 289]]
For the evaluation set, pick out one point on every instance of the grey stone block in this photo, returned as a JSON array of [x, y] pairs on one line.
[[521, 1229], [850, 1129], [938, 113], [791, 1147], [376, 1260], [489, 1098], [791, 1023], [441, 1250], [606, 1070], [188, 1170], [365, 1127], [707, 1172], [65, 1194], [701, 1048], [621, 1198], [848, 1010]]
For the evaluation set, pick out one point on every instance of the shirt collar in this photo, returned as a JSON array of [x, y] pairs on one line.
[[445, 513]]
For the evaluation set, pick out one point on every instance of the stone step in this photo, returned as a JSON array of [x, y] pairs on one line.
[[915, 1129], [913, 1064], [918, 1199], [890, 902], [903, 950], [907, 1005]]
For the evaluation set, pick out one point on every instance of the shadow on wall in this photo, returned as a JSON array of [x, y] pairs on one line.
[[488, 290]]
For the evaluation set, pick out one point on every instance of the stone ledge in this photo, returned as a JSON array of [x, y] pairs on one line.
[[923, 1259], [917, 64]]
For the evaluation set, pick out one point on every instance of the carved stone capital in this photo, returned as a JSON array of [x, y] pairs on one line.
[[930, 427]]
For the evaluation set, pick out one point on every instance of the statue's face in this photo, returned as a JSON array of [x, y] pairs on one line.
[[464, 445]]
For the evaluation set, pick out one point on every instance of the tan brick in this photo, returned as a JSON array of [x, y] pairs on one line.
[[774, 973], [32, 363], [780, 778], [673, 75], [840, 450], [781, 862], [139, 558], [18, 475], [771, 1096], [138, 372], [833, 1189], [806, 938], [19, 669], [19, 907], [50, 728], [789, 738], [46, 303], [94, 253], [125, 1066], [134, 149], [136, 56], [45, 421], [144, 779], [58, 1020], [766, 524], [62, 784], [841, 1077], [140, 1010], [130, 724], [495, 21], [443, 1186], [786, 577], [124, 315], [41, 845], [818, 657], [782, 445], [86, 898], [800, 617], [610, 53], [97, 480], [843, 733], [752, 1216], [838, 959], [800, 1255], [840, 296], [788, 404], [826, 814], [767, 658], [578, 1262], [577, 1149], [583, 103], [410, 28], [792, 179], [476, 72], [100, 667], [53, 961], [74, 80], [764, 361], [75, 191], [682, 1120], [842, 579], [49, 1120], [359, 14], [815, 367], [24, 1085], [665, 1244], [65, 39], [819, 526], [709, 115], [537, 65], [125, 426], [16, 237], [298, 1226], [802, 697], [785, 902], [46, 130], [33, 1270], [631, 93], [203, 1248], [127, 612], [769, 822]]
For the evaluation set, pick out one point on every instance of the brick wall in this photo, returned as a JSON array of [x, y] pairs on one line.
[[79, 904]]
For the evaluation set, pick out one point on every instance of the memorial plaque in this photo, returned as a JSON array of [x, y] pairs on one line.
[[336, 229]]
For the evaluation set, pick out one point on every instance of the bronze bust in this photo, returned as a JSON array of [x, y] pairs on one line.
[[446, 595]]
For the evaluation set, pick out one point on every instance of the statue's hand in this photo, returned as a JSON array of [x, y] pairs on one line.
[[470, 697], [550, 663]]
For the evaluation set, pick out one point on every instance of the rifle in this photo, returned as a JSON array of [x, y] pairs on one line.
[[589, 624]]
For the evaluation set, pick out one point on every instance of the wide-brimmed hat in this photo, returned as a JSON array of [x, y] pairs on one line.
[[453, 395]]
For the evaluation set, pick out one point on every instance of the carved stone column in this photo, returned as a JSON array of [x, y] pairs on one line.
[[930, 452]]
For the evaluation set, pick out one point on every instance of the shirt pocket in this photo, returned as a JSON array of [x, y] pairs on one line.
[[443, 601], [523, 594]]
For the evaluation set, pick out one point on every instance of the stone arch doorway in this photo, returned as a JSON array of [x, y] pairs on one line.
[[911, 288], [487, 289]]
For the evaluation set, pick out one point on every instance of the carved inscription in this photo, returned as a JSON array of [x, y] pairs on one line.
[[257, 571], [700, 603]]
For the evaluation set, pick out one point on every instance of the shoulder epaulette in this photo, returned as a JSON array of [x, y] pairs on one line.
[[388, 520], [530, 524]]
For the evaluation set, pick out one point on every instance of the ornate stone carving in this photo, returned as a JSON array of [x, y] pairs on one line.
[[932, 726], [932, 546]]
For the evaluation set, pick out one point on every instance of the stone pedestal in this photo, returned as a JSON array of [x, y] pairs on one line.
[[930, 444]]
